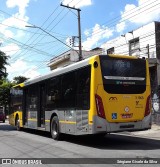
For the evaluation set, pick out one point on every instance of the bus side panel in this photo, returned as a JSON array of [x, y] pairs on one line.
[[32, 119], [71, 121], [12, 119], [48, 118], [95, 80]]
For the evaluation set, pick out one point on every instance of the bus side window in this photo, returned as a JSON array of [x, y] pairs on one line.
[[53, 93], [83, 91], [32, 99], [68, 90]]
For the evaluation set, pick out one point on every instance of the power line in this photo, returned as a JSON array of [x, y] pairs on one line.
[[43, 37], [114, 22], [54, 19], [33, 46]]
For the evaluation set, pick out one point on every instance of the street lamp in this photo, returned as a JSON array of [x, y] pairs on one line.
[[50, 35]]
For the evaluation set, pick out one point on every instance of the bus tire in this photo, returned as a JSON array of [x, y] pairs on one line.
[[55, 133], [18, 123], [4, 121]]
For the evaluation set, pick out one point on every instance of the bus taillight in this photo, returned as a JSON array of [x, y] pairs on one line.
[[100, 108], [148, 106]]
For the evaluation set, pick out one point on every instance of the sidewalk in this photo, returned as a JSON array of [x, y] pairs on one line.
[[153, 133]]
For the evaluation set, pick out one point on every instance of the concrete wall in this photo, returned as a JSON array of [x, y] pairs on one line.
[[70, 57]]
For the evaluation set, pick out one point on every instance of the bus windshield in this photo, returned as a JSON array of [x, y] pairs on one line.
[[123, 76]]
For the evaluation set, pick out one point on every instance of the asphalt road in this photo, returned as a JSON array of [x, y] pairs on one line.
[[36, 144]]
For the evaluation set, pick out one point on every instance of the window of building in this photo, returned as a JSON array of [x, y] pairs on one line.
[[134, 47], [110, 50]]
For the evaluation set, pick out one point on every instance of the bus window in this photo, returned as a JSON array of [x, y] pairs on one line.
[[68, 90], [83, 91], [53, 93], [127, 75], [16, 99], [32, 100]]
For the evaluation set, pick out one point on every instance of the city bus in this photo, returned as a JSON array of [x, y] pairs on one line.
[[100, 94]]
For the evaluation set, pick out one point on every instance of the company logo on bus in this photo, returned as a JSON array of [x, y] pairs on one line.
[[126, 109], [113, 99]]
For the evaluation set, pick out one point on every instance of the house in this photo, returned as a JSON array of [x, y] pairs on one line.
[[70, 57]]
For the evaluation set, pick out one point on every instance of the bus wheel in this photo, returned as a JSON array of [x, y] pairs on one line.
[[18, 123], [55, 128]]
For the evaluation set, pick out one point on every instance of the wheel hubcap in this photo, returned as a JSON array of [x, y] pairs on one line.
[[55, 129]]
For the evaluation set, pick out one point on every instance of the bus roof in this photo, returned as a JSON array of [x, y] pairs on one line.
[[124, 56], [59, 71], [19, 85], [68, 68]]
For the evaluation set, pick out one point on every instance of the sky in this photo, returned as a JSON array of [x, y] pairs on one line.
[[30, 49]]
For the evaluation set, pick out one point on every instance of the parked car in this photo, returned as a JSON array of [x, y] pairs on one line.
[[2, 114]]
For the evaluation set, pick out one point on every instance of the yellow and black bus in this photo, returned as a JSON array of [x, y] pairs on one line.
[[101, 94]]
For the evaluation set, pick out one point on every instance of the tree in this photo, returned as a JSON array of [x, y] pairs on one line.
[[3, 62], [19, 79], [5, 93]]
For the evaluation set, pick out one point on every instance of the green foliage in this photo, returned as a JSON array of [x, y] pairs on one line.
[[3, 62], [5, 92], [19, 79], [5, 87]]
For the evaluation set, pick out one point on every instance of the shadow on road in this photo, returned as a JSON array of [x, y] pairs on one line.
[[6, 127], [115, 141], [109, 141]]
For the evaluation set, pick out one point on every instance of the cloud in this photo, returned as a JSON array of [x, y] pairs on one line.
[[97, 34], [21, 68], [10, 49], [31, 73], [18, 19], [21, 4], [8, 34], [77, 3], [120, 27], [16, 66], [145, 12], [1, 17], [87, 32]]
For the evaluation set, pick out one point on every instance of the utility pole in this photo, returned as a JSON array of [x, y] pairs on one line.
[[79, 29]]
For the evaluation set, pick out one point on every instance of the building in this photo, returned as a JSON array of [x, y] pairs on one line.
[[71, 56], [142, 42]]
